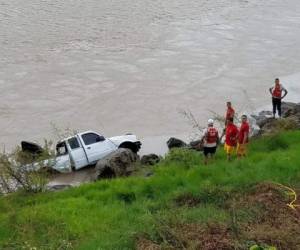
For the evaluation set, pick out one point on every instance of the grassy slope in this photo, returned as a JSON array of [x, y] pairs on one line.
[[111, 214]]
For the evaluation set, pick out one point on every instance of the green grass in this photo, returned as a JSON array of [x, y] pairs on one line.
[[112, 214]]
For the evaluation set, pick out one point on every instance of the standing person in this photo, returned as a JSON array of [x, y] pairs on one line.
[[243, 137], [231, 136], [229, 113], [276, 92], [210, 141]]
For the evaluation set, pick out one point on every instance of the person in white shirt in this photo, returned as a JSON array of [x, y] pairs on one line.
[[210, 141]]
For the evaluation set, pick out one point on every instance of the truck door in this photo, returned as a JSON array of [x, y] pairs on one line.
[[77, 154], [62, 161], [96, 146]]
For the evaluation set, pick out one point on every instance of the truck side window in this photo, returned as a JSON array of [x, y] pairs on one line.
[[91, 138], [73, 142]]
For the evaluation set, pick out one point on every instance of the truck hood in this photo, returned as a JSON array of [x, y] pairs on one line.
[[118, 140]]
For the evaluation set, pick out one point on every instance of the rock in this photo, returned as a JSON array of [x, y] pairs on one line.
[[196, 145], [265, 113], [290, 109], [175, 143], [269, 125], [272, 125], [59, 187], [32, 148], [148, 174], [150, 159], [118, 163], [264, 121], [262, 118]]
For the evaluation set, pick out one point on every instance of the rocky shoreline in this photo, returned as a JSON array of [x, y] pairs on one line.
[[124, 162]]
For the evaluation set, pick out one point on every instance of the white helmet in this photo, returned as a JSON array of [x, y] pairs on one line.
[[210, 122]]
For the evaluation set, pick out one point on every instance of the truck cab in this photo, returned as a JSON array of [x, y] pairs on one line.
[[87, 148]]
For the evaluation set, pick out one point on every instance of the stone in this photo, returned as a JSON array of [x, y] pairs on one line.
[[269, 125], [150, 159], [175, 143], [196, 145], [116, 164], [59, 187]]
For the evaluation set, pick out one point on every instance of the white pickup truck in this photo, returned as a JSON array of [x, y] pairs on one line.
[[85, 149]]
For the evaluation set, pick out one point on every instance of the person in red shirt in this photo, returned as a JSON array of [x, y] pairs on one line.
[[243, 137], [231, 136], [229, 113], [277, 96]]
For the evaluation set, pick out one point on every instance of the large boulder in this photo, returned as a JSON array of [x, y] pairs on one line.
[[116, 164], [150, 159], [175, 143]]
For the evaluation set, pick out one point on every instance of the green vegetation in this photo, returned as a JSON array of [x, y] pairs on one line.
[[173, 208], [18, 169]]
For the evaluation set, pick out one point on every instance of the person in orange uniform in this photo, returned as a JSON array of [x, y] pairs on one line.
[[277, 96], [231, 136], [243, 137], [229, 113]]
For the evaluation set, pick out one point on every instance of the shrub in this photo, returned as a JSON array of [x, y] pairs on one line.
[[22, 170]]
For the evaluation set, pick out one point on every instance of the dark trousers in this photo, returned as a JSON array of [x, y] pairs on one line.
[[276, 106]]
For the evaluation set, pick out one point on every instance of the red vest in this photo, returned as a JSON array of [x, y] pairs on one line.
[[211, 135], [277, 91]]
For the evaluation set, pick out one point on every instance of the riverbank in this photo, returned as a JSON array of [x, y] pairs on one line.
[[262, 123], [232, 204]]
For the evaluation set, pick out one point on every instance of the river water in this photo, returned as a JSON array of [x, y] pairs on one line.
[[130, 66]]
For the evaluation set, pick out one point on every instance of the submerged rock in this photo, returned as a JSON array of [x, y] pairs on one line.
[[175, 143], [116, 164]]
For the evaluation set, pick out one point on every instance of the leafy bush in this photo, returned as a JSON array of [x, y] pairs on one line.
[[22, 170]]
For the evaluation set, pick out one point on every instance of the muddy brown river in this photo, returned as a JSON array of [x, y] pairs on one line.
[[129, 66]]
